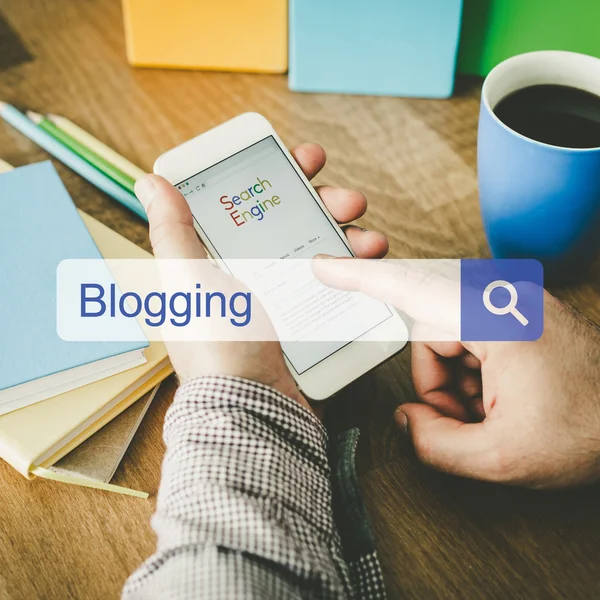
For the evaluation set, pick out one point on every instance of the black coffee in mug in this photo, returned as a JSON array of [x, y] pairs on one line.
[[553, 114]]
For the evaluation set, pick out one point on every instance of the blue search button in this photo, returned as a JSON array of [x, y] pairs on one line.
[[501, 300]]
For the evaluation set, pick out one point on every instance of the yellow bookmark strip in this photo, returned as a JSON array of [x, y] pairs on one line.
[[98, 485]]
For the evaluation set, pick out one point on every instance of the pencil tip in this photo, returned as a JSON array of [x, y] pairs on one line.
[[35, 117]]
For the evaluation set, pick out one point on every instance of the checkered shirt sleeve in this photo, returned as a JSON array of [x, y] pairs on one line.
[[245, 504]]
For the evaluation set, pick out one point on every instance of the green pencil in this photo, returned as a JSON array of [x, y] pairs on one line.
[[90, 156]]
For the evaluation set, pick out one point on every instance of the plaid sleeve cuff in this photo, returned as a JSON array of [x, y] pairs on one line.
[[286, 416], [246, 470]]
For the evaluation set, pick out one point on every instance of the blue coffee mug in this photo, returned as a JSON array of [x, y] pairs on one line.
[[537, 200]]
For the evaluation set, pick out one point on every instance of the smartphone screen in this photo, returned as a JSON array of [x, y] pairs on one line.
[[254, 205]]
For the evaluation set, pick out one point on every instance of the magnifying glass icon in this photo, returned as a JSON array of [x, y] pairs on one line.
[[511, 307]]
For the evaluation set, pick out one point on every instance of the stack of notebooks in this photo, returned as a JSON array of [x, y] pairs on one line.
[[55, 394]]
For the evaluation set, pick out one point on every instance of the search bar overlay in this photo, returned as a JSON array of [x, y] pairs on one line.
[[308, 299]]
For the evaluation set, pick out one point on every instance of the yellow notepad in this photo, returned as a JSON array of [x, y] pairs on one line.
[[228, 35], [40, 434]]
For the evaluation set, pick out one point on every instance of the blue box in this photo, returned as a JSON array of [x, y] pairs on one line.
[[377, 47]]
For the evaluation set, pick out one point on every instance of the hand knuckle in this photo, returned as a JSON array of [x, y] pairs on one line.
[[503, 465], [425, 449], [164, 230]]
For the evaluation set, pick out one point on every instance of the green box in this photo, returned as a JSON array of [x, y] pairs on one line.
[[494, 30]]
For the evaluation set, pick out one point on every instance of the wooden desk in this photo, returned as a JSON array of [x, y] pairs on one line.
[[439, 537]]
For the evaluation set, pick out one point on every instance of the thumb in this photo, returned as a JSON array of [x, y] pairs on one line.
[[172, 232], [447, 444]]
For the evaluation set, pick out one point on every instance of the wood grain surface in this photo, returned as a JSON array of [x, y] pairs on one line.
[[439, 537]]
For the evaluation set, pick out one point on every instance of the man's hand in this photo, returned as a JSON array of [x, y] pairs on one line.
[[172, 235], [525, 413]]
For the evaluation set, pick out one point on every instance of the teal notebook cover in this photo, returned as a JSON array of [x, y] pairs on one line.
[[379, 47], [39, 227]]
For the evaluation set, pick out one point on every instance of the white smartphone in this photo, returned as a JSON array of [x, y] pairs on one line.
[[250, 199]]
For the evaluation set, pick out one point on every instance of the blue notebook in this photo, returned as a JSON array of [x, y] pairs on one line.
[[39, 227], [378, 47]]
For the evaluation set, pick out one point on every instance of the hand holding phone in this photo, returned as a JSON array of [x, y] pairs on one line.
[[249, 198], [173, 236]]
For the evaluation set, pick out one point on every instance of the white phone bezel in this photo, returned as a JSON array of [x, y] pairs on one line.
[[202, 152]]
